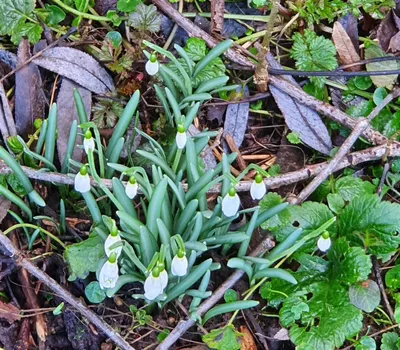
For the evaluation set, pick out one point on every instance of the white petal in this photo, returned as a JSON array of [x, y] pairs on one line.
[[152, 67], [131, 190], [181, 139], [108, 275], [179, 266], [109, 242], [230, 205], [164, 278], [257, 190], [88, 144], [152, 287], [82, 183], [324, 244]]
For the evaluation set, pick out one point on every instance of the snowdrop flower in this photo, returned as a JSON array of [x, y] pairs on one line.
[[258, 189], [324, 242], [154, 284], [230, 203], [113, 238], [152, 65], [88, 142], [163, 276], [181, 137], [109, 273], [179, 265], [131, 188], [82, 181]]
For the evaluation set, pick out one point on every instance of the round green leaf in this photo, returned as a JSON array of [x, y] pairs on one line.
[[365, 296], [115, 38], [362, 83], [230, 296], [392, 277], [379, 94], [366, 343], [94, 293]]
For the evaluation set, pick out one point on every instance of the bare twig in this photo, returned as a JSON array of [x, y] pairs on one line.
[[361, 125], [217, 16], [385, 171], [183, 326], [25, 263]]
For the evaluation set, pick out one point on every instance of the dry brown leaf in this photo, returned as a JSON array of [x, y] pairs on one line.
[[344, 47], [10, 312], [247, 341]]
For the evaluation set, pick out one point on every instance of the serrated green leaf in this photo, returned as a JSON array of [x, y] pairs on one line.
[[392, 277], [83, 257], [223, 338], [366, 295], [292, 310], [127, 5], [335, 202], [369, 222], [350, 187], [195, 48], [293, 138], [389, 341], [313, 53], [145, 18], [32, 31]]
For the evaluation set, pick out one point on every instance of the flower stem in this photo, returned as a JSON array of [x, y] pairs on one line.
[[81, 14]]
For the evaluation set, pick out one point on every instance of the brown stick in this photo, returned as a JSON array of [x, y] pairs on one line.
[[183, 326], [21, 261], [217, 16]]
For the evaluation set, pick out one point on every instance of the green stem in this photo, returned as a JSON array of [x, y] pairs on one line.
[[176, 160], [228, 16], [36, 228], [81, 14]]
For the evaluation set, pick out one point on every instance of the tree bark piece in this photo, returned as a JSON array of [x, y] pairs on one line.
[[217, 17]]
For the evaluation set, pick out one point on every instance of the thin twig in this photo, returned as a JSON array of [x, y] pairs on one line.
[[183, 326], [361, 125], [50, 283]]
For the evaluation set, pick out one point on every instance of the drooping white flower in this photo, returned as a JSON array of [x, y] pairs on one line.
[[324, 242], [109, 273], [257, 188], [230, 203], [88, 142], [164, 278], [153, 285], [131, 188], [152, 65], [179, 265], [82, 181], [113, 238], [181, 137]]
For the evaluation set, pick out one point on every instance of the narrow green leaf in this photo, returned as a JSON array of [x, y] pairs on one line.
[[51, 134], [119, 193], [275, 273], [237, 263], [154, 208], [230, 307], [214, 53]]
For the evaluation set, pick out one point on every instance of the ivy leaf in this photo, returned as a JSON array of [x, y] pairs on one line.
[[145, 19], [389, 341], [223, 338], [313, 53], [365, 296], [366, 343], [369, 222], [83, 257], [195, 48]]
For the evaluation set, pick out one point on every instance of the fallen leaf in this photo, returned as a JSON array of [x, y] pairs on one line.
[[387, 81], [300, 118], [282, 334], [5, 204], [30, 100], [388, 28], [67, 113], [10, 312], [7, 120], [247, 341], [344, 47], [236, 119], [8, 58], [77, 66], [394, 45], [350, 25]]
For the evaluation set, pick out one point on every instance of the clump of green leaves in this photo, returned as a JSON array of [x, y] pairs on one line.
[[145, 18], [111, 52], [313, 53], [223, 338], [317, 11]]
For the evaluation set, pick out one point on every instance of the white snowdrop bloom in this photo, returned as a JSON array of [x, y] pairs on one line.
[[324, 242], [258, 189], [181, 137], [152, 65], [131, 188], [82, 181], [164, 278], [88, 142], [153, 286], [109, 273], [230, 203], [113, 238], [179, 266]]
